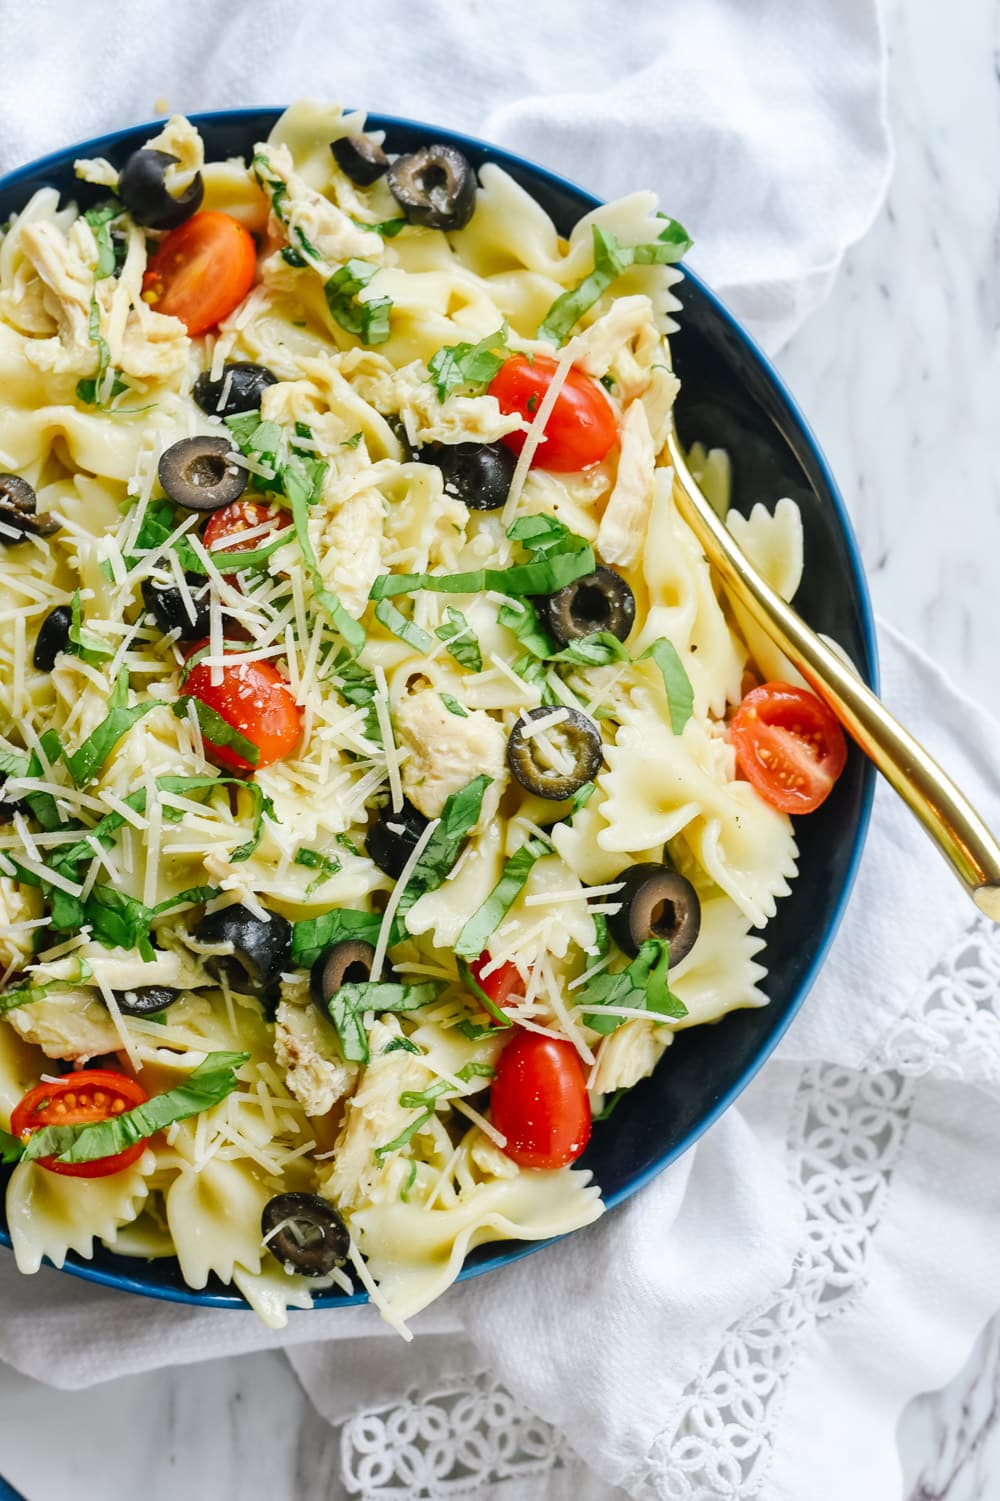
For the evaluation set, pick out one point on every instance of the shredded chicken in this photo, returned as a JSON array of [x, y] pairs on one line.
[[447, 752], [629, 1054], [600, 346], [306, 1047], [326, 227], [622, 532], [18, 904], [350, 549]]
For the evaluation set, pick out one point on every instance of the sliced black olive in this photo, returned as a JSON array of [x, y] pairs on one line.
[[142, 187], [346, 963], [305, 1233], [169, 607], [52, 638], [390, 840], [145, 1000], [262, 948], [8, 809], [478, 473], [579, 752], [600, 601], [18, 504], [199, 473], [360, 158], [434, 186], [242, 383], [656, 902]]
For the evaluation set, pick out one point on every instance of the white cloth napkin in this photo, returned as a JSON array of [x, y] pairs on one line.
[[819, 1256]]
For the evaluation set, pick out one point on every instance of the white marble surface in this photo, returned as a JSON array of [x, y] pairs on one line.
[[899, 376]]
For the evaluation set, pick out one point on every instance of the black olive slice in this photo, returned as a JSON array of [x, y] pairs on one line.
[[434, 186], [145, 1000], [579, 752], [142, 187], [477, 473], [52, 638], [199, 473], [390, 840], [600, 601], [238, 389], [168, 606], [346, 963], [305, 1233], [18, 504], [262, 948], [360, 158], [656, 902]]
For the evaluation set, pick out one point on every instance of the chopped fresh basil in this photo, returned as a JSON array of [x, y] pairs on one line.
[[610, 1104], [314, 934], [348, 1005], [411, 1178], [105, 830], [676, 683], [521, 617], [313, 860], [356, 684], [300, 494], [353, 440], [581, 797], [24, 995], [82, 643], [558, 557], [369, 320], [599, 649], [86, 390], [467, 367], [461, 644], [453, 706], [387, 228], [458, 817], [407, 630], [160, 518], [99, 218], [476, 933], [41, 805], [12, 1148], [402, 1045], [470, 982], [215, 729], [293, 257], [611, 259], [208, 1085], [85, 762], [642, 985]]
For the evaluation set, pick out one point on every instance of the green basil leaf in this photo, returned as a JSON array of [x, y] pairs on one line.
[[368, 321], [314, 934], [467, 367], [86, 391], [453, 706], [487, 1002], [208, 1085], [387, 228], [11, 1148], [476, 933], [402, 1045], [24, 995], [458, 817], [300, 494], [610, 1104], [83, 643], [676, 683], [544, 576], [348, 1005], [293, 257], [99, 218], [521, 617], [641, 985], [262, 808], [610, 259], [85, 762], [395, 621], [313, 860], [599, 649], [356, 684], [460, 643], [352, 441], [216, 729], [425, 1101]]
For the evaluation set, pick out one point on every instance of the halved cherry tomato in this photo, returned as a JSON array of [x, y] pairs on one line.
[[539, 1101], [788, 745], [202, 270], [581, 430], [256, 701], [94, 1094], [498, 985], [238, 517]]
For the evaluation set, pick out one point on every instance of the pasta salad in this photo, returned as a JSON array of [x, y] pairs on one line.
[[384, 778]]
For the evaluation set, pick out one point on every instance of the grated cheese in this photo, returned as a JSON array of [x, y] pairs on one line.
[[372, 1289], [396, 896], [544, 898]]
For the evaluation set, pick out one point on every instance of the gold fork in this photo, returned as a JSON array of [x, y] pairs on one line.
[[946, 813]]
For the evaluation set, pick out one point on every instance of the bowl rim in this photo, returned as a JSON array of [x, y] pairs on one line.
[[511, 1251]]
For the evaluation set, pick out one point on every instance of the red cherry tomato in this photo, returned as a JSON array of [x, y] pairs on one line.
[[94, 1094], [788, 745], [256, 701], [539, 1101], [233, 520], [500, 984], [581, 430], [202, 270]]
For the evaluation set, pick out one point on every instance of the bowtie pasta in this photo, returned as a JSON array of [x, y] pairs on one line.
[[370, 810]]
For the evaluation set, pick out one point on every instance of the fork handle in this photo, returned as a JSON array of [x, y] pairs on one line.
[[945, 812]]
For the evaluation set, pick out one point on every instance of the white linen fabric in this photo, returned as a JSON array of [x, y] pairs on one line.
[[819, 1257]]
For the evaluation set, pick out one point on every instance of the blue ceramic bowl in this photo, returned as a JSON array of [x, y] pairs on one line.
[[731, 398]]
